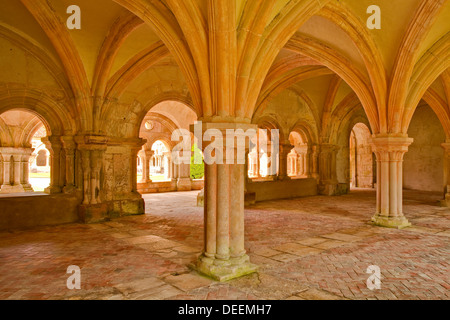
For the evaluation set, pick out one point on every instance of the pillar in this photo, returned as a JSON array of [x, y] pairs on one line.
[[285, 149], [167, 161], [272, 162], [6, 171], [69, 146], [224, 255], [25, 170], [446, 201], [389, 151], [314, 162], [328, 184], [92, 149], [146, 158], [184, 182]]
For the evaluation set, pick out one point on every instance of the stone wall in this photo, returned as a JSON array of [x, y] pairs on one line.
[[38, 210], [423, 167], [283, 189]]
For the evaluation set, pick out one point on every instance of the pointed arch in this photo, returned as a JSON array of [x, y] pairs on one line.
[[273, 39], [418, 29], [59, 36], [332, 59], [166, 26], [433, 63], [117, 34], [344, 18]]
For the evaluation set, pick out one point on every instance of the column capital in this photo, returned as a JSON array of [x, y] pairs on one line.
[[68, 142], [390, 143], [328, 147], [390, 147], [168, 154], [91, 142], [240, 130], [446, 147]]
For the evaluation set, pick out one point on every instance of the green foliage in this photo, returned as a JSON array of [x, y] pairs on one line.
[[197, 170]]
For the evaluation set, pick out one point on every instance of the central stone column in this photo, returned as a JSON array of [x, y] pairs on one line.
[[224, 256], [389, 151]]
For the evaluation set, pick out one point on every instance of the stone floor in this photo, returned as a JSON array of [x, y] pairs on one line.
[[310, 248]]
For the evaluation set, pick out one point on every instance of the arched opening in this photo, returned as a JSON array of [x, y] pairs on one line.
[[40, 162], [25, 165], [159, 163], [298, 165], [361, 158], [157, 170]]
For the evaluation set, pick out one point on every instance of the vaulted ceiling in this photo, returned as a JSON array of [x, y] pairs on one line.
[[243, 60]]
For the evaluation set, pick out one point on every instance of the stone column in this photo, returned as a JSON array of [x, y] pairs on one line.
[[224, 255], [328, 183], [285, 149], [184, 182], [69, 149], [146, 158], [175, 171], [25, 170], [92, 150], [6, 186], [271, 162], [167, 161], [54, 146], [446, 201], [389, 151], [314, 162]]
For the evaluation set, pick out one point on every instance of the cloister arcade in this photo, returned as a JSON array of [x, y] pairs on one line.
[[96, 109]]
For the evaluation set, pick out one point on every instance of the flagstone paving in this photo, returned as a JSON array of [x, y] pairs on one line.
[[308, 248]]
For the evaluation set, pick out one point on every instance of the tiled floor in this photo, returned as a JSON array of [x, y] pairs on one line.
[[311, 248]]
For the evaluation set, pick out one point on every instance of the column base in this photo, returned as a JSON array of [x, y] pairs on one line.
[[224, 270], [391, 222], [329, 189], [52, 190], [21, 188], [69, 189], [184, 184], [93, 213], [446, 201]]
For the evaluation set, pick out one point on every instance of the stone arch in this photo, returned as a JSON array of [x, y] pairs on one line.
[[57, 120], [309, 131], [341, 138], [270, 123]]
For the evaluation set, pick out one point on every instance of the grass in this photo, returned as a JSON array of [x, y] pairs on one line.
[[40, 175], [153, 178]]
